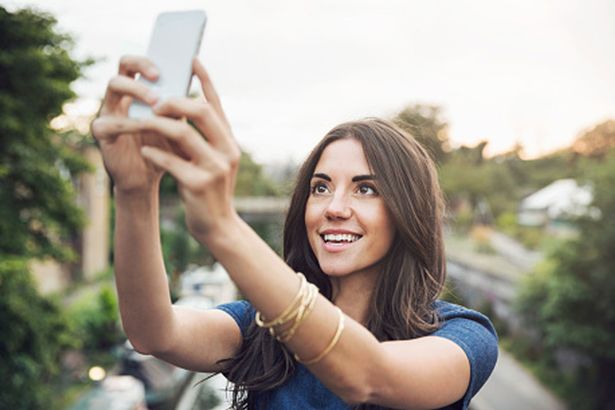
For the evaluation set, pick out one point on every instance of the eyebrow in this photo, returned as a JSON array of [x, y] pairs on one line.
[[356, 178]]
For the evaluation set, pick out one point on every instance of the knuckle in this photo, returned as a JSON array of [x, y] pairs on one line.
[[201, 183], [125, 60], [96, 128], [115, 81], [235, 155], [234, 159], [165, 161], [184, 131], [221, 170], [171, 102]]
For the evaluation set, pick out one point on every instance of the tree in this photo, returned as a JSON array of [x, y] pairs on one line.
[[569, 302], [33, 335], [251, 181], [425, 123], [38, 212], [596, 142]]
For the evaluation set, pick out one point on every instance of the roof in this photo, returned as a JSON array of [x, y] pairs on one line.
[[563, 196]]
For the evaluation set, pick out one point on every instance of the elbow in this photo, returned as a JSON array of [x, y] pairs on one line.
[[141, 348], [148, 348], [355, 396], [356, 391], [151, 342]]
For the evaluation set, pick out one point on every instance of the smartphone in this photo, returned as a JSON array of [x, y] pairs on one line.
[[175, 41]]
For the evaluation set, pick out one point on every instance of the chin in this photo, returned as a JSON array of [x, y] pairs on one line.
[[334, 269], [336, 272]]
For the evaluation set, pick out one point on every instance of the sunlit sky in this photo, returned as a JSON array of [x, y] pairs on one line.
[[529, 72]]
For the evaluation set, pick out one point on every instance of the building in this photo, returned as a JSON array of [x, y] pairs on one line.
[[92, 245], [556, 205]]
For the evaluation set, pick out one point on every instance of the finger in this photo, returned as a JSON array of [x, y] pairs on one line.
[[204, 116], [208, 89], [182, 134], [131, 65], [121, 85], [183, 171], [107, 127]]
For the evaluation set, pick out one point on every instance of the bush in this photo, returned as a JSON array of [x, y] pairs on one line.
[[34, 333], [569, 301], [95, 321]]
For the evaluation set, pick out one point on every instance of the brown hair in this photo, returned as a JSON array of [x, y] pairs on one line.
[[413, 271]]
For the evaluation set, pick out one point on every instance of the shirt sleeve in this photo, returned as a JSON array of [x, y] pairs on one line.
[[474, 333], [242, 311]]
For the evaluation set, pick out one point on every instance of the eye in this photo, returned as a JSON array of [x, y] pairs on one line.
[[367, 189], [319, 188]]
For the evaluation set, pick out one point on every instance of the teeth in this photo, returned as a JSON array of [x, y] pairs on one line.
[[340, 237]]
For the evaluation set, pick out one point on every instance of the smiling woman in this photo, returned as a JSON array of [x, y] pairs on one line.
[[347, 222], [349, 318]]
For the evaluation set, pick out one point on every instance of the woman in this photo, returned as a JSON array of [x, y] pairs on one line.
[[364, 227]]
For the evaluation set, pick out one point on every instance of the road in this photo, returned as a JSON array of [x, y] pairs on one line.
[[512, 387]]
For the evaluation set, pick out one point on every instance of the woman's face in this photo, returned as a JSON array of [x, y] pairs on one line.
[[347, 223]]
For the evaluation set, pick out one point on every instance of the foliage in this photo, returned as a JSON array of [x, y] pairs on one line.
[[95, 320], [179, 248], [597, 142], [38, 211], [569, 300], [426, 124], [37, 200], [251, 181], [34, 333]]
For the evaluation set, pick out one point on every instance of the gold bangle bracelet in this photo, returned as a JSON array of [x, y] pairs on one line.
[[336, 338], [290, 309], [302, 314]]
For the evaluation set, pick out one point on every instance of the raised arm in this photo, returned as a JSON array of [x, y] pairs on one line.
[[149, 320]]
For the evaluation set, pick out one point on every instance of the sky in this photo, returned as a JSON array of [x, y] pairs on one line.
[[536, 73]]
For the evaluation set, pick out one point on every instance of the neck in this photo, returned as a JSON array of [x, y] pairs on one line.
[[353, 293]]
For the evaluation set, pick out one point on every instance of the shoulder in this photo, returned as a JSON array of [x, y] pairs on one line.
[[475, 334], [450, 311], [241, 311], [472, 330]]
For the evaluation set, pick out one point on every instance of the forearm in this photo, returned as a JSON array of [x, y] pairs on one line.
[[270, 285], [142, 285]]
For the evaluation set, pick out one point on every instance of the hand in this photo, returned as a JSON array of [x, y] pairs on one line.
[[202, 157], [121, 144]]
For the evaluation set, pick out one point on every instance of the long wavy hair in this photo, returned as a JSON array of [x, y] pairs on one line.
[[413, 270]]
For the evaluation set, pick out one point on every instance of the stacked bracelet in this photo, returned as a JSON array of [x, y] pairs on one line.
[[284, 326], [303, 313], [294, 315], [290, 311]]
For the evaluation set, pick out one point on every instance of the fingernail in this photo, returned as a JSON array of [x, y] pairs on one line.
[[153, 71]]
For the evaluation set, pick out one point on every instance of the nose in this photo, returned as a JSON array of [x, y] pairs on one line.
[[339, 207]]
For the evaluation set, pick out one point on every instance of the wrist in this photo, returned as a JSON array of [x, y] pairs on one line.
[[224, 235], [136, 201]]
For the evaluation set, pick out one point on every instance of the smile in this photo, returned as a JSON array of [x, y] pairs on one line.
[[340, 238]]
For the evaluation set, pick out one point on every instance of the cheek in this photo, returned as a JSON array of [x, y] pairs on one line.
[[385, 226]]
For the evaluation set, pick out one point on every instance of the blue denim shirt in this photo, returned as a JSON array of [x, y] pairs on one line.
[[469, 329]]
